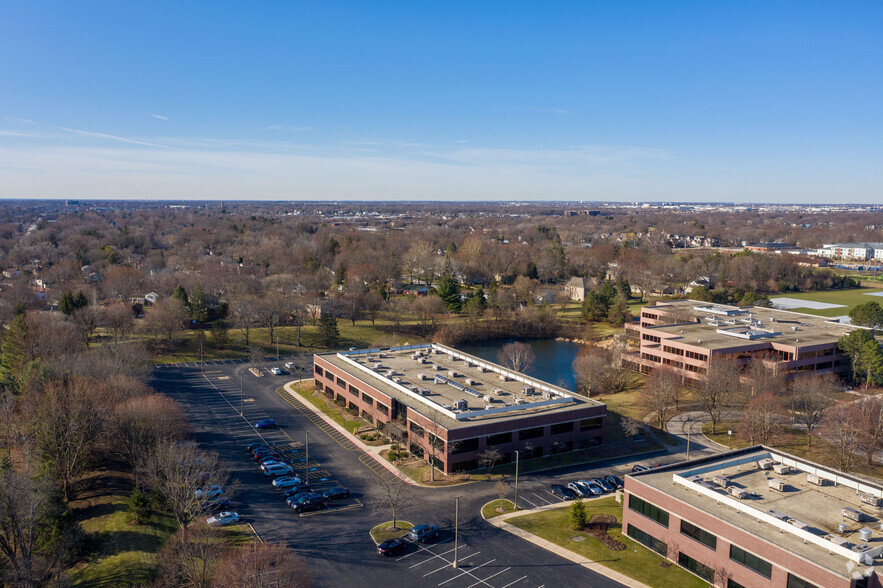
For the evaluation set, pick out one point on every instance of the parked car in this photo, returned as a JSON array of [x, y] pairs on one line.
[[218, 503], [307, 503], [272, 457], [265, 424], [614, 481], [252, 447], [421, 533], [299, 489], [289, 365], [592, 487], [295, 497], [336, 493], [580, 489], [226, 517], [639, 468], [262, 453], [271, 462], [604, 484], [277, 469], [287, 482], [562, 492], [207, 492], [391, 546], [276, 371]]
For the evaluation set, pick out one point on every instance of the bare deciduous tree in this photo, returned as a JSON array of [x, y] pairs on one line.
[[87, 321], [842, 427], [489, 458], [501, 488], [372, 303], [177, 470], [429, 310], [871, 410], [122, 282], [118, 318], [660, 393], [164, 319], [191, 557], [262, 565], [600, 371], [396, 495], [517, 356], [720, 390], [811, 396], [245, 314], [140, 424], [763, 417]]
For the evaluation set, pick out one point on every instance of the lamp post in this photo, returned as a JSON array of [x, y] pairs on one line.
[[456, 529], [515, 503], [307, 463], [240, 394], [729, 438]]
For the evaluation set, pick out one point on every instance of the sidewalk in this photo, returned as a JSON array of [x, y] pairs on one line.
[[373, 452], [500, 523]]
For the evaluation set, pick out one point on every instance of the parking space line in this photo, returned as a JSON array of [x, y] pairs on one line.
[[546, 500], [489, 577], [432, 558], [470, 573], [422, 548], [515, 582], [530, 502]]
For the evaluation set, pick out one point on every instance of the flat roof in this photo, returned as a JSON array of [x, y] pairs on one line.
[[722, 326], [454, 388], [804, 518]]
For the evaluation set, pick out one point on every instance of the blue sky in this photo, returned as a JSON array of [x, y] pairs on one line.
[[701, 101]]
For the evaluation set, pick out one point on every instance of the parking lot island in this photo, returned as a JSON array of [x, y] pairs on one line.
[[452, 408]]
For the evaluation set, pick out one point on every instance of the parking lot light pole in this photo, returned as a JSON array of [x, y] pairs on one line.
[[515, 504], [456, 529], [240, 394], [307, 466]]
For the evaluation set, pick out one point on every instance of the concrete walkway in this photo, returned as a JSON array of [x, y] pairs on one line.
[[500, 523], [689, 425]]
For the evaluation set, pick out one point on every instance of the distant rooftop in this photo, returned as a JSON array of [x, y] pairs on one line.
[[457, 388], [795, 504]]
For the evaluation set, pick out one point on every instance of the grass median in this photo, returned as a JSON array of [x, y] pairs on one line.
[[635, 561], [330, 409], [493, 509], [385, 531]]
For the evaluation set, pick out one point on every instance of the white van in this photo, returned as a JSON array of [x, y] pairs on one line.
[[278, 469]]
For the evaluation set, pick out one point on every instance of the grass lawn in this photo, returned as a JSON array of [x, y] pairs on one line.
[[849, 298], [382, 532], [636, 561], [490, 511], [122, 554], [329, 408]]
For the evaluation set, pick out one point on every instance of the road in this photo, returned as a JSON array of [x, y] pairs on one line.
[[335, 543]]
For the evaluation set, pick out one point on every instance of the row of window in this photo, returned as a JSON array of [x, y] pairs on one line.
[[647, 540], [365, 397], [650, 511], [672, 350], [651, 338]]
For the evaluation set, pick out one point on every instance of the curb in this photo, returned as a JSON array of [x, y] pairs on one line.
[[500, 523], [354, 440], [375, 526]]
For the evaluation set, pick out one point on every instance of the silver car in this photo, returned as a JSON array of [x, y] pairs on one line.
[[595, 489]]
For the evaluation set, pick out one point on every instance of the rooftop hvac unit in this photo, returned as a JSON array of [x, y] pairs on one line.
[[482, 370], [814, 479], [415, 356], [488, 398], [397, 379], [841, 527], [424, 392], [413, 388], [436, 367], [469, 364], [504, 378], [527, 390], [498, 392], [721, 481], [781, 468], [851, 514], [739, 493], [421, 377], [438, 352], [864, 535], [460, 404], [778, 515], [870, 499], [488, 406], [547, 395], [455, 358], [452, 373], [377, 365], [520, 401], [777, 484], [793, 328], [765, 464], [421, 359], [470, 382]]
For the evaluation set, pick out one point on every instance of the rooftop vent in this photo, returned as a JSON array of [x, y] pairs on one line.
[[452, 373], [527, 390], [470, 382], [504, 378], [498, 392], [520, 401], [460, 404]]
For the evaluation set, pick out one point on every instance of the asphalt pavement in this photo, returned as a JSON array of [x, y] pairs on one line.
[[335, 542]]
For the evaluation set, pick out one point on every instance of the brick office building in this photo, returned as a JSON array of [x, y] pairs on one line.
[[758, 517], [449, 406], [685, 335]]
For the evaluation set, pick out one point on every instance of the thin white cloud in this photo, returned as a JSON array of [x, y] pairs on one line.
[[159, 116], [15, 134], [113, 138], [271, 128]]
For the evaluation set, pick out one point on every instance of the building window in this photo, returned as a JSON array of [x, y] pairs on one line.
[[366, 398], [562, 428], [650, 511], [701, 570], [651, 338], [733, 584], [751, 561], [465, 446], [647, 540], [354, 390], [591, 424], [700, 535], [795, 582], [530, 433], [415, 428], [319, 371], [499, 439], [383, 409]]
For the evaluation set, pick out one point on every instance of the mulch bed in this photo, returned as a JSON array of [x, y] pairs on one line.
[[597, 528]]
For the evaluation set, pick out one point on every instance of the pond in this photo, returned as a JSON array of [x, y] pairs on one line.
[[554, 363]]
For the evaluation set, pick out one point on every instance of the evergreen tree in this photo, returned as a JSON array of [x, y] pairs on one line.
[[181, 294], [619, 314], [578, 515], [479, 295], [80, 301], [859, 346], [449, 291], [869, 314], [607, 292], [531, 271], [198, 309], [623, 287], [66, 304], [595, 307], [328, 330]]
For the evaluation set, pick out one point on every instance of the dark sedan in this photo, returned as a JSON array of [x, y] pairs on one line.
[[299, 489], [562, 492], [265, 424], [391, 546], [252, 447], [336, 493]]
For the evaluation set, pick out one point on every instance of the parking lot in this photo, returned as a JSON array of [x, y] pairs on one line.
[[335, 541]]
